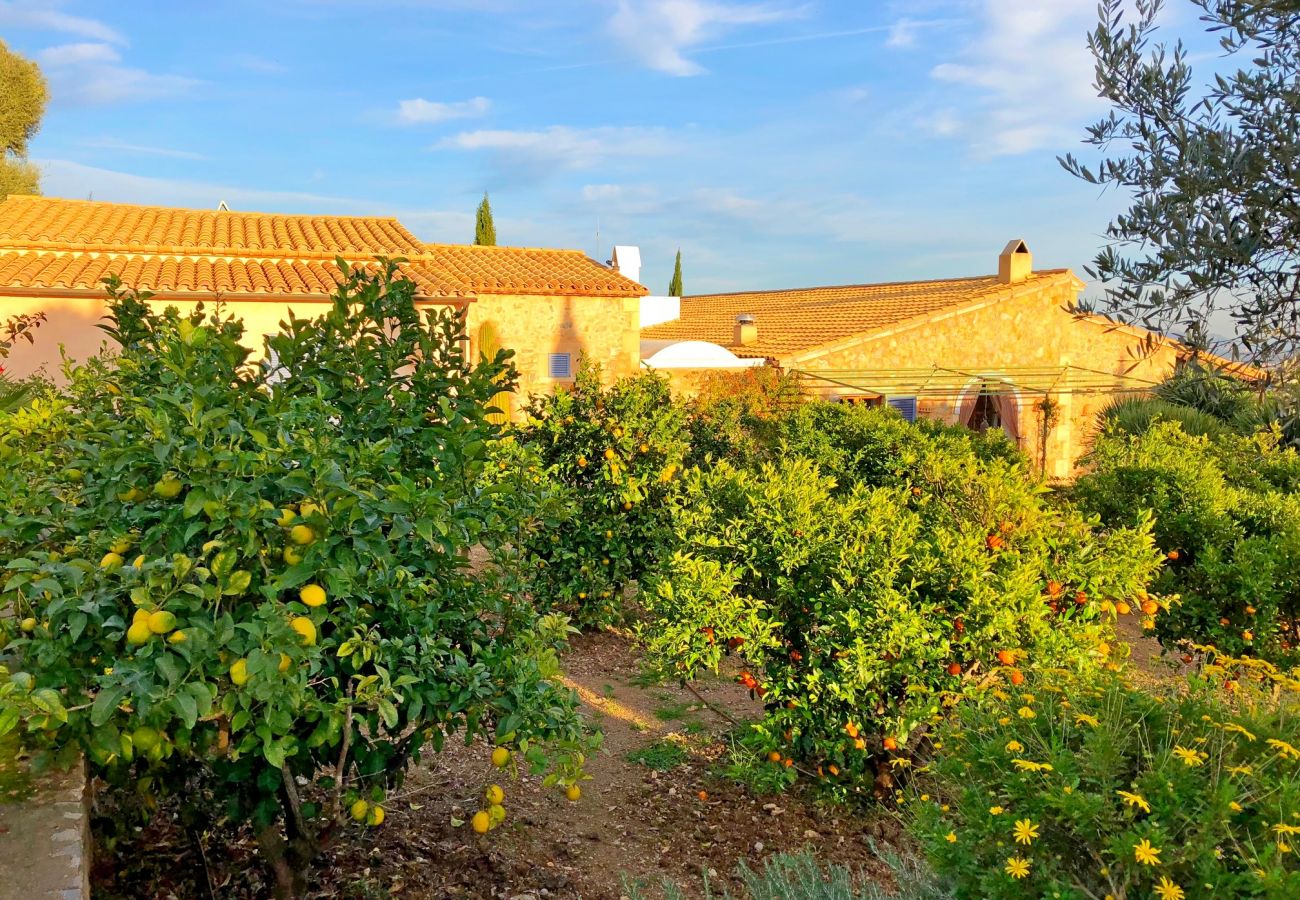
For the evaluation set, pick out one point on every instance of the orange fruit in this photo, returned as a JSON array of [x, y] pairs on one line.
[[891, 744], [1150, 607], [773, 756], [1017, 677], [1007, 657], [1123, 608]]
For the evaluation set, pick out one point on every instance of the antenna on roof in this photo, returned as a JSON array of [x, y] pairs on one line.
[[222, 207]]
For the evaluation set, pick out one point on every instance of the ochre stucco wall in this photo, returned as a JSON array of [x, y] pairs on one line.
[[606, 329], [1031, 328], [71, 321]]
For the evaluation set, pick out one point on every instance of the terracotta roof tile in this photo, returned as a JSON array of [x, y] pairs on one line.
[[794, 321], [529, 270], [48, 242]]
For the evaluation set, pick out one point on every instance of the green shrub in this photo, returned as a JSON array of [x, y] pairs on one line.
[[860, 611], [251, 592], [616, 454], [734, 416], [1227, 514], [1079, 788]]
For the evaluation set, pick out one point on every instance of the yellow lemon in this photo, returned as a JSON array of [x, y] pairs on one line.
[[161, 622], [110, 561], [121, 545], [481, 822], [239, 672], [376, 816], [28, 625], [292, 556], [496, 814], [139, 632], [573, 792], [285, 662], [312, 594], [139, 562], [141, 615], [168, 488], [358, 810], [500, 756], [610, 454], [286, 518], [145, 738], [308, 509], [302, 535], [494, 794], [177, 637], [305, 628]]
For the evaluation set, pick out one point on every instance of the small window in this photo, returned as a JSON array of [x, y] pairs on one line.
[[561, 365], [906, 406]]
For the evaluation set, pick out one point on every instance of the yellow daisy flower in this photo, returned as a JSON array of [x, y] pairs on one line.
[[1168, 890], [1017, 867], [1004, 720], [1025, 831], [1135, 800], [1241, 770], [1191, 758], [996, 810], [1234, 806], [951, 837], [1234, 728], [1085, 719], [1015, 747], [1146, 854], [1283, 828], [1026, 713], [1284, 749]]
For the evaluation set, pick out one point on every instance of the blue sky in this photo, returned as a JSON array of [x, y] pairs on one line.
[[777, 143]]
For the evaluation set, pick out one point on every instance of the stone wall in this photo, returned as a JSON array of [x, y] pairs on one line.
[[604, 328], [1033, 327], [45, 840]]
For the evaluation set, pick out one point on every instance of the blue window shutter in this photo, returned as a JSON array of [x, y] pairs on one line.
[[561, 365], [906, 406]]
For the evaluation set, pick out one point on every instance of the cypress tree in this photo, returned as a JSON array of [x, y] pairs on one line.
[[675, 286], [485, 232]]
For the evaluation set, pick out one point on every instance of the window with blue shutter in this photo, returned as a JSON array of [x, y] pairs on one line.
[[906, 407], [561, 365]]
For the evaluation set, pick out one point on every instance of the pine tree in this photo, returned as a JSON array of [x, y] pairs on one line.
[[485, 232], [675, 286], [22, 103]]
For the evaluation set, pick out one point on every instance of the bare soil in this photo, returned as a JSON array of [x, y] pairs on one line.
[[631, 822]]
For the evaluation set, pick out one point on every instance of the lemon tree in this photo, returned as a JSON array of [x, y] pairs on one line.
[[245, 585], [613, 455]]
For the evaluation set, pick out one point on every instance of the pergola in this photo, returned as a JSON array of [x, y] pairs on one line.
[[938, 382]]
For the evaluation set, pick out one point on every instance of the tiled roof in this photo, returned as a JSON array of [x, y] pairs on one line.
[[46, 223], [528, 270], [172, 274], [51, 243], [794, 321]]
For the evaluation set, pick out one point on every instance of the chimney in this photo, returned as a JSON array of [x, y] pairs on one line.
[[1015, 263], [626, 261], [746, 330]]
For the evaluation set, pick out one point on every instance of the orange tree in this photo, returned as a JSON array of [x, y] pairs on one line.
[[246, 585], [616, 453], [860, 609], [1227, 516]]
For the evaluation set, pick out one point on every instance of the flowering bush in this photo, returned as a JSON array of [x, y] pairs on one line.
[[1227, 516], [616, 454], [1071, 787], [247, 587], [861, 612]]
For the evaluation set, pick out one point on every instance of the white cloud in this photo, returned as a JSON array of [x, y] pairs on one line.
[[1030, 69], [423, 112], [902, 34], [91, 74], [660, 32], [560, 147], [112, 143], [40, 16], [78, 54]]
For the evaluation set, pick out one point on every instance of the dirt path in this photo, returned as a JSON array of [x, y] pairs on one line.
[[641, 814]]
